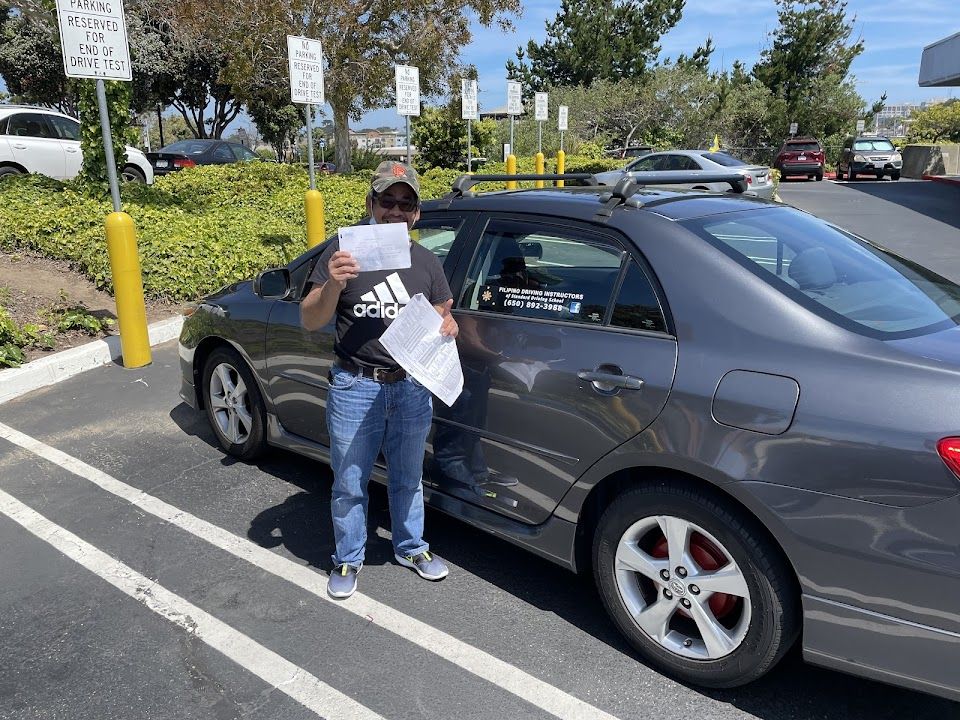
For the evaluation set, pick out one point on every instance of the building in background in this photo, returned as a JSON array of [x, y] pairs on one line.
[[369, 139], [940, 63], [894, 119]]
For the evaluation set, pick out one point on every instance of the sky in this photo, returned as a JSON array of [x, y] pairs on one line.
[[894, 34]]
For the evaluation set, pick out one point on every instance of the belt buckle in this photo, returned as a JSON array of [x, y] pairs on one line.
[[381, 374]]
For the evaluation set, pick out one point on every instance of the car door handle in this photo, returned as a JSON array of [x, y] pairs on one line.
[[20, 146], [608, 378], [71, 149]]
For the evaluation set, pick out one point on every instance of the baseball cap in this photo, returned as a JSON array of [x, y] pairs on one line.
[[390, 173]]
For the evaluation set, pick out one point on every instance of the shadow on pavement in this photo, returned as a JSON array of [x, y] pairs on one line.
[[937, 201], [301, 524]]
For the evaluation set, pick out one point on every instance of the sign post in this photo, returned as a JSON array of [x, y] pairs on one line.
[[561, 155], [514, 105], [470, 111], [793, 129], [305, 59], [408, 97], [861, 124], [541, 111], [93, 36]]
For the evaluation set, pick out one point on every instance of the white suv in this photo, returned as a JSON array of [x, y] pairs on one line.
[[39, 140]]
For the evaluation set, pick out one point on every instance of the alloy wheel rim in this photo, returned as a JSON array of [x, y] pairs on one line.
[[230, 404], [682, 587]]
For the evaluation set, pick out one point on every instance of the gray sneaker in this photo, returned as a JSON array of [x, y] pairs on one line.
[[427, 565], [343, 581]]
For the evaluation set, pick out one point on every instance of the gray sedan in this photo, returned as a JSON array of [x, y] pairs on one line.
[[740, 419], [759, 182]]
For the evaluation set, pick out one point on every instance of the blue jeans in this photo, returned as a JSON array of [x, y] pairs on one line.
[[364, 416]]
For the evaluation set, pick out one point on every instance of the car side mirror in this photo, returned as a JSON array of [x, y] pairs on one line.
[[532, 250], [272, 284]]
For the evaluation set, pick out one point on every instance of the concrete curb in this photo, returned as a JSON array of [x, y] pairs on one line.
[[15, 382], [942, 179]]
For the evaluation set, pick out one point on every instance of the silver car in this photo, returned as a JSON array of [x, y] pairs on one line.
[[759, 182]]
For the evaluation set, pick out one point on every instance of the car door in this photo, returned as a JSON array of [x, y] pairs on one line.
[[222, 155], [566, 354], [68, 133], [298, 361], [34, 144]]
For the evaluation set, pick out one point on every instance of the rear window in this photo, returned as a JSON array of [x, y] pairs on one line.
[[723, 159], [187, 147], [882, 145], [802, 147], [848, 281]]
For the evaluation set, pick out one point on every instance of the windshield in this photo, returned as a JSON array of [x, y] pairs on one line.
[[884, 145], [802, 147], [723, 159], [844, 279]]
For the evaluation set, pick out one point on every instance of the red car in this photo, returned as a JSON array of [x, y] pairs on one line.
[[800, 156]]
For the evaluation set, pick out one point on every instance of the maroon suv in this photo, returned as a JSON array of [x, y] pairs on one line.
[[800, 156]]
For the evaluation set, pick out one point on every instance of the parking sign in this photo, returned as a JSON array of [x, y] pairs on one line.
[[540, 106], [408, 90], [562, 118], [470, 110], [305, 58], [93, 36], [514, 98]]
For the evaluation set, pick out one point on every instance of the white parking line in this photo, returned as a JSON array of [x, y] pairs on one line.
[[247, 653], [476, 661]]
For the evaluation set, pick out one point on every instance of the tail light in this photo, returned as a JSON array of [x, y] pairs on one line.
[[749, 178], [184, 163], [949, 451]]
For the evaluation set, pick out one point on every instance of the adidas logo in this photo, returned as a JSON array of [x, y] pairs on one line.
[[384, 300]]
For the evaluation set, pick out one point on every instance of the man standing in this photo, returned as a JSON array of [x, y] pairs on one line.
[[372, 403]]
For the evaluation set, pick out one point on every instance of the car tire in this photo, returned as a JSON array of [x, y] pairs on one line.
[[134, 175], [839, 172], [727, 639], [234, 405], [819, 175], [851, 175], [895, 176], [9, 171]]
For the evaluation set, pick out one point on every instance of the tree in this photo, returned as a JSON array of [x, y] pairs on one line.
[[592, 40], [278, 123], [362, 41], [441, 136], [807, 67], [939, 123]]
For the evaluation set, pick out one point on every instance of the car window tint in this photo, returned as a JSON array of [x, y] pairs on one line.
[[846, 280], [243, 154], [643, 164], [223, 154], [802, 147], [66, 128], [541, 274], [724, 159], [437, 236], [187, 147], [637, 305], [30, 125]]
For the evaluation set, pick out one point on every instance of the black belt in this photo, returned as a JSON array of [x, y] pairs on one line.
[[380, 374]]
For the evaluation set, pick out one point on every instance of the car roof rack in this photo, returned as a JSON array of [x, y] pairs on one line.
[[628, 185], [463, 183]]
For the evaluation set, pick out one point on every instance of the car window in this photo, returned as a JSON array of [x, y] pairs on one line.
[[723, 159], [30, 125], [801, 147], [882, 145], [66, 128], [846, 280], [243, 154], [187, 147], [637, 305], [223, 154], [437, 236], [644, 164], [527, 271]]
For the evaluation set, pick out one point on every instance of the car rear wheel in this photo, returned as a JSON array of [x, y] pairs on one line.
[[819, 175], [694, 585], [234, 406], [134, 175]]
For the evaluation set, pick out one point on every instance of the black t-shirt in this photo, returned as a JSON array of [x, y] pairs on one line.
[[369, 303]]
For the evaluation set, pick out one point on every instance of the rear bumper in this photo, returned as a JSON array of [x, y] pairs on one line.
[[804, 168]]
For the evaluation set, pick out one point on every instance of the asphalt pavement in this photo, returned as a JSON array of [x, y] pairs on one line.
[[917, 219], [145, 574]]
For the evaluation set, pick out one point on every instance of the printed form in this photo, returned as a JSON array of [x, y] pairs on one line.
[[415, 342], [377, 247]]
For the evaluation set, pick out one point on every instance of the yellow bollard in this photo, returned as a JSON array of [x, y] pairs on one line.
[[316, 233], [511, 170], [561, 160], [128, 290], [539, 164]]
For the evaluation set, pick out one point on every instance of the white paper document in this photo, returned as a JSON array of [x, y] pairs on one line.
[[377, 247], [415, 342]]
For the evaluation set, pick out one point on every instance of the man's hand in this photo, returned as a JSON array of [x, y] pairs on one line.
[[341, 267], [449, 327]]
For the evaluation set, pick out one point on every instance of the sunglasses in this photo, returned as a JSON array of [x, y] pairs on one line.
[[389, 203]]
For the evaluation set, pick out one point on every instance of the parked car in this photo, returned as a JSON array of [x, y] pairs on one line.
[[738, 417], [190, 153], [325, 167], [44, 141], [869, 155], [684, 161], [800, 156]]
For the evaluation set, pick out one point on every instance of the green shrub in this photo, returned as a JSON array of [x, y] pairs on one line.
[[14, 338]]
